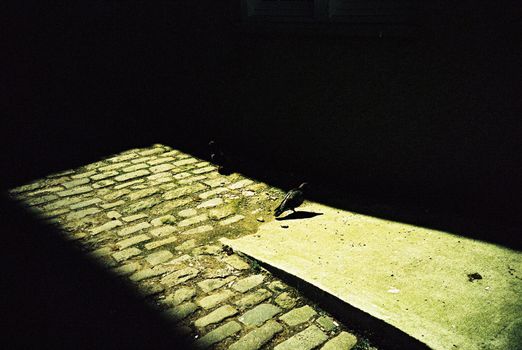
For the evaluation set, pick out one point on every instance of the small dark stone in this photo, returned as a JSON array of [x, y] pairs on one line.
[[228, 250], [474, 276]]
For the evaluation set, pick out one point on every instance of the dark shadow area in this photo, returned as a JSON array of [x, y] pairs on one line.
[[426, 123], [299, 214], [54, 296], [380, 333]]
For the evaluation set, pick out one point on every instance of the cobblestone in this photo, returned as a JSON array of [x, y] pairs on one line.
[[253, 299], [180, 312], [285, 301], [103, 183], [182, 175], [187, 212], [55, 213], [198, 230], [101, 252], [216, 316], [134, 168], [30, 187], [106, 227], [344, 340], [158, 176], [41, 200], [112, 205], [132, 175], [104, 175], [159, 257], [213, 192], [193, 220], [113, 215], [157, 244], [248, 283], [190, 180], [165, 219], [258, 337], [211, 203], [217, 182], [209, 285], [240, 184], [215, 299], [82, 213], [62, 203], [182, 191], [326, 323], [204, 170], [185, 161], [143, 193], [154, 216], [133, 229], [220, 213], [148, 289], [122, 158], [128, 184], [277, 286], [45, 191], [180, 276], [259, 314], [74, 183], [116, 194], [132, 241], [161, 168], [168, 207], [112, 167], [162, 231], [127, 269], [305, 340], [148, 273], [86, 203], [160, 160], [155, 150], [217, 335], [236, 262], [75, 191], [298, 316], [170, 153], [181, 295], [232, 220], [126, 254]]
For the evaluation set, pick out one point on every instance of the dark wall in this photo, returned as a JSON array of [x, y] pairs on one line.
[[430, 118], [89, 78]]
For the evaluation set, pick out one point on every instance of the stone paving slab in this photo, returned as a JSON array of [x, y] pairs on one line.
[[447, 291], [154, 217]]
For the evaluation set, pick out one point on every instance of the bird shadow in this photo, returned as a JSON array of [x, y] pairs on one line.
[[299, 215]]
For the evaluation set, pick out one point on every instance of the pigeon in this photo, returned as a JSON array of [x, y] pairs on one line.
[[218, 157], [292, 200]]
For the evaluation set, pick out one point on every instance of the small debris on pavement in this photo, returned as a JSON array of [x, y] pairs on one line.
[[474, 276], [228, 250]]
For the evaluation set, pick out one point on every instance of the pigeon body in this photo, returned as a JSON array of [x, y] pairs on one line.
[[292, 200], [218, 157]]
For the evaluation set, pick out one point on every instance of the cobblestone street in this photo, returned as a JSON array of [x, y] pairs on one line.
[[154, 216]]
